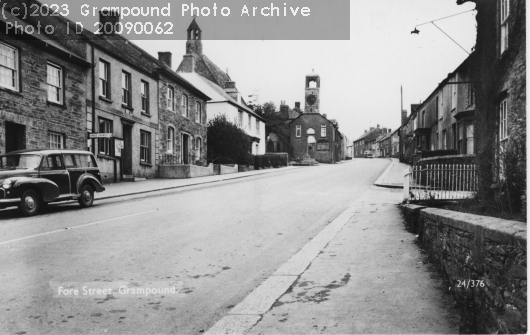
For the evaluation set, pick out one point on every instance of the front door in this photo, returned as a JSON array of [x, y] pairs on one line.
[[15, 136], [185, 149], [52, 168], [127, 150]]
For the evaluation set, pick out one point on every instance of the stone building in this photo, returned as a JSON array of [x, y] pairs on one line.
[[199, 70], [366, 141], [313, 135], [42, 88], [499, 74], [183, 117]]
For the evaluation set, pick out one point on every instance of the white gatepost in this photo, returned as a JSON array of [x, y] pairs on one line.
[[406, 183]]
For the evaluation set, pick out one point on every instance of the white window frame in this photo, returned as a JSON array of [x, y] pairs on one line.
[[298, 131], [5, 50], [104, 74], [257, 126], [170, 140], [55, 140], [170, 98], [503, 120], [55, 93], [185, 106], [198, 146], [126, 89], [249, 122], [198, 110], [144, 95], [240, 118], [145, 148], [323, 131], [504, 15], [454, 94]]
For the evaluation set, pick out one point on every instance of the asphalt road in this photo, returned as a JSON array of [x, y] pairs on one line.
[[216, 243]]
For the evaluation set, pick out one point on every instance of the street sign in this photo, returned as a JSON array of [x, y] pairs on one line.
[[100, 135]]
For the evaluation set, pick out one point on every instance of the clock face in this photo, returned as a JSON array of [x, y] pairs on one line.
[[311, 99]]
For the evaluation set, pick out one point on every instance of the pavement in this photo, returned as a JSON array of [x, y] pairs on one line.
[[114, 190], [393, 175]]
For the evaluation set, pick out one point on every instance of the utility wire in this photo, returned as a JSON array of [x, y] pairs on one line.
[[450, 38], [467, 11]]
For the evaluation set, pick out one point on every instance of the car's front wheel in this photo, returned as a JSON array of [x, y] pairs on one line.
[[87, 196], [30, 203]]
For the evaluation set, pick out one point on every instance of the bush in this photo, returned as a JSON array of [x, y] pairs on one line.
[[266, 161], [258, 162], [438, 153], [226, 141]]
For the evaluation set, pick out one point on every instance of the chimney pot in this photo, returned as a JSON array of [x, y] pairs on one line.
[[109, 16], [165, 58]]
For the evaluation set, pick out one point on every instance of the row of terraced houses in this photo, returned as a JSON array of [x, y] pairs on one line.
[[103, 93]]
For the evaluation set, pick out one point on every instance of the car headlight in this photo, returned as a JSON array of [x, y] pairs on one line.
[[7, 184]]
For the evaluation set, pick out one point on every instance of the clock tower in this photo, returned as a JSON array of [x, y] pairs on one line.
[[312, 93]]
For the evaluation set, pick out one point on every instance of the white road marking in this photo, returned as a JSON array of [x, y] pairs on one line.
[[249, 312], [75, 227]]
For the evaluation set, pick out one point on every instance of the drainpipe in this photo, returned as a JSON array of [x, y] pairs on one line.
[[93, 98]]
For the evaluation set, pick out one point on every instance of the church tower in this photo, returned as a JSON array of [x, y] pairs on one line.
[[194, 42], [312, 93]]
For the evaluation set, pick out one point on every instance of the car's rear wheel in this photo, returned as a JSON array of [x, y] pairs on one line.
[[87, 196], [30, 203]]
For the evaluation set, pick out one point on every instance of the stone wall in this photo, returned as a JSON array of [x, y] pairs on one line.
[[484, 260]]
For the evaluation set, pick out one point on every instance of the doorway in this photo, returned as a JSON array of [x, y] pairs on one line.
[[185, 149], [15, 136], [127, 150]]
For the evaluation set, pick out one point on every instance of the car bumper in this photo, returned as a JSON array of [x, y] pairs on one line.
[[9, 202]]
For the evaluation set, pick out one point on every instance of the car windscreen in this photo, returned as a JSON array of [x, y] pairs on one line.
[[15, 162]]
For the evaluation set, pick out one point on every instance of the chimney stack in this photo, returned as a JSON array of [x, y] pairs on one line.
[[377, 126], [384, 130], [106, 17], [165, 58], [187, 65], [403, 117], [297, 105]]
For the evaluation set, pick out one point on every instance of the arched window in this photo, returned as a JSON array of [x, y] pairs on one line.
[[198, 143], [313, 84], [310, 131], [197, 34], [170, 140]]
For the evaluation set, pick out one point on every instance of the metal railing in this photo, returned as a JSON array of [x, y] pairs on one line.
[[440, 182]]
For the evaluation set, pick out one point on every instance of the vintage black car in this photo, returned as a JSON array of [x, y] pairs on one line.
[[31, 179]]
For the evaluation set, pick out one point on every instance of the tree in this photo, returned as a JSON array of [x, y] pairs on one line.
[[227, 142]]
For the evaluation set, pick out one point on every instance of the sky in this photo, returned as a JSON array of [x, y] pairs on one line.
[[360, 77]]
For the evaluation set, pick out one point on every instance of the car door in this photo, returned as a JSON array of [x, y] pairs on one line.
[[52, 168], [75, 170]]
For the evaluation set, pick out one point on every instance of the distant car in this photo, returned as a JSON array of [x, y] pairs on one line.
[[31, 179], [368, 154]]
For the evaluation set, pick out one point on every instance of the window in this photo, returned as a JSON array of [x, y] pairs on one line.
[[170, 139], [104, 75], [505, 12], [54, 79], [454, 88], [469, 138], [470, 95], [240, 118], [126, 89], [298, 131], [437, 107], [198, 115], [199, 147], [444, 139], [323, 131], [8, 67], [55, 141], [52, 162], [185, 110], [423, 119], [503, 121], [249, 122], [105, 126], [257, 126], [144, 93], [170, 99], [145, 146]]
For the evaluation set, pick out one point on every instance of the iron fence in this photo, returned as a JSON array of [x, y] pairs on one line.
[[440, 182], [171, 159]]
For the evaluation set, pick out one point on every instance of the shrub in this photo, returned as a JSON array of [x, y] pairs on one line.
[[225, 160], [226, 140], [258, 162]]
